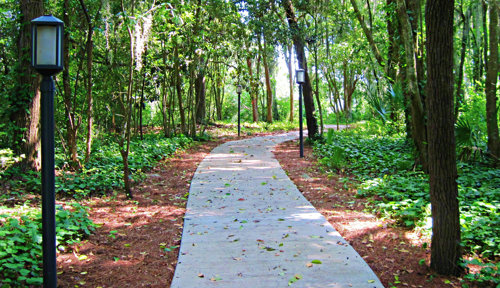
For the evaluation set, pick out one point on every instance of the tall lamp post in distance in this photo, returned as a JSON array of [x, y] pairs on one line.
[[300, 77], [239, 88], [47, 58]]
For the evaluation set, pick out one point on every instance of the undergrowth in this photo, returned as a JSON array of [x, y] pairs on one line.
[[103, 173], [384, 170], [21, 240]]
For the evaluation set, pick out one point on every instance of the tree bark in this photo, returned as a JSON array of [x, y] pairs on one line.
[[269, 92], [178, 85], [72, 123], [26, 110], [298, 41], [491, 85], [445, 248], [200, 90], [253, 92], [90, 99], [368, 34], [465, 38], [288, 59], [416, 105]]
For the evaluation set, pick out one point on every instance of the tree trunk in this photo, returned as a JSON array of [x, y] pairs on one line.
[[269, 92], [491, 85], [200, 90], [127, 107], [298, 41], [465, 38], [288, 59], [416, 104], [368, 34], [178, 85], [316, 78], [349, 87], [90, 99], [71, 124], [445, 248], [253, 96], [26, 110]]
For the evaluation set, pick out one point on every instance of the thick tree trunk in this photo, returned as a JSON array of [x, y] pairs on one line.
[[200, 90], [445, 248], [416, 105], [491, 85], [298, 41], [26, 110], [465, 38]]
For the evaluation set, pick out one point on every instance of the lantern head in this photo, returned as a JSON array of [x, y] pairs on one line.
[[47, 45]]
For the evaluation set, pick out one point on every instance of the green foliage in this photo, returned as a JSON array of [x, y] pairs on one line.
[[386, 174], [469, 144], [21, 239], [104, 171]]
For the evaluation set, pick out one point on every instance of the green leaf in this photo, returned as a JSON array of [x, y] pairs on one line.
[[316, 262]]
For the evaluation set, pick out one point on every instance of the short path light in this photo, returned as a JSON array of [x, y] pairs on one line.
[[46, 58], [239, 88], [300, 77]]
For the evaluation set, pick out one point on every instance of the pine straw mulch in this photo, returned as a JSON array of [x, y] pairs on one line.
[[392, 252]]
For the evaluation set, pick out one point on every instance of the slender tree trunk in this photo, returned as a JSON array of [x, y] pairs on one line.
[[269, 93], [178, 85], [416, 104], [491, 85], [290, 77], [71, 124], [127, 108], [90, 99], [253, 96], [298, 41], [368, 34], [26, 110], [445, 248], [465, 38], [316, 78]]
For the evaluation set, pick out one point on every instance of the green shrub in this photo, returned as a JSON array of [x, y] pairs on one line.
[[384, 169], [104, 171], [21, 240]]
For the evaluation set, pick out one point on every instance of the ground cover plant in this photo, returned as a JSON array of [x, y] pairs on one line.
[[104, 171], [383, 169], [21, 240], [20, 218]]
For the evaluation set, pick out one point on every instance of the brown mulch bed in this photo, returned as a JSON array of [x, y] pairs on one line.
[[392, 252]]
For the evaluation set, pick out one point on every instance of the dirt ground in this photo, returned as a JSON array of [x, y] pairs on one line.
[[137, 243]]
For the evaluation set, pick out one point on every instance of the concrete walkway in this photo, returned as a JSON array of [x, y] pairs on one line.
[[247, 225]]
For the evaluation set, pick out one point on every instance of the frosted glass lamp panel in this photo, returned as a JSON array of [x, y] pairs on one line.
[[46, 37]]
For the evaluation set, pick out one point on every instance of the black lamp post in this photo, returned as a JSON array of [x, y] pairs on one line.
[[46, 57], [300, 77], [238, 90]]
